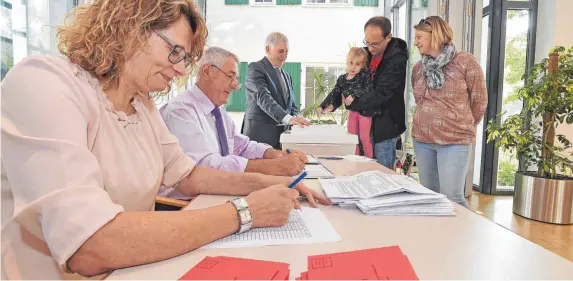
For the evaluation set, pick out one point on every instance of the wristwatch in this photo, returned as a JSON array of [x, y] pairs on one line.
[[245, 217]]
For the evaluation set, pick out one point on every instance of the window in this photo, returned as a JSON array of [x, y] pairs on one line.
[[508, 42], [262, 2], [29, 27], [332, 2], [319, 79]]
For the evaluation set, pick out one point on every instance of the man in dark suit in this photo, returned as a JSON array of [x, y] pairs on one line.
[[270, 95]]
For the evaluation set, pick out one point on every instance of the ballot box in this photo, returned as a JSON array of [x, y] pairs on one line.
[[320, 140]]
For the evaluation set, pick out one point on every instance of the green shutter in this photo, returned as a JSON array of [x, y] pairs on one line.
[[289, 2], [294, 69], [371, 3], [238, 100], [236, 2]]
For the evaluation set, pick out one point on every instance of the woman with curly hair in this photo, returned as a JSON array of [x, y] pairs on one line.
[[85, 151]]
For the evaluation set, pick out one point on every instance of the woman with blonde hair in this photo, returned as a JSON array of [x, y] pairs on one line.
[[84, 150], [356, 83], [451, 98]]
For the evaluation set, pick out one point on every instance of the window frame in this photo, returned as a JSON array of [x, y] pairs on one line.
[[327, 4], [253, 3], [497, 12], [315, 65]]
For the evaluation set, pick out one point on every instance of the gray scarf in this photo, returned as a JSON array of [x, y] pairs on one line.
[[433, 69]]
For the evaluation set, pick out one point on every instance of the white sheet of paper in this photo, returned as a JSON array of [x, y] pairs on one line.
[[357, 158], [377, 193], [362, 186], [311, 160], [442, 208], [370, 184], [317, 172], [401, 199], [304, 226]]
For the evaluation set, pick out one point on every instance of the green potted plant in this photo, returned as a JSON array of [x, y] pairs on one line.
[[544, 186], [323, 84]]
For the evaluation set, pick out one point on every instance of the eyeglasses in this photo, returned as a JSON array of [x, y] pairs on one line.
[[424, 21], [177, 53], [234, 81], [374, 44]]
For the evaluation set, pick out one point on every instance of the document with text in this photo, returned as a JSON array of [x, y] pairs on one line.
[[305, 226], [370, 184], [317, 172], [377, 193]]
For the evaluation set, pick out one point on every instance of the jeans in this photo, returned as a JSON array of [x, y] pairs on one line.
[[385, 153], [360, 125], [443, 168]]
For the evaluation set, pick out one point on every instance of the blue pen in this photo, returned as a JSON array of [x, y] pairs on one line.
[[288, 151], [330, 158], [298, 179]]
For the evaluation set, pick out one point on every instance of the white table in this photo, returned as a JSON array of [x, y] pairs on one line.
[[467, 246]]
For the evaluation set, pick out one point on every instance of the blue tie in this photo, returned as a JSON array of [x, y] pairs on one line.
[[221, 131]]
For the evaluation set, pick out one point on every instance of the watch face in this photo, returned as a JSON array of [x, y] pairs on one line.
[[245, 216], [241, 203]]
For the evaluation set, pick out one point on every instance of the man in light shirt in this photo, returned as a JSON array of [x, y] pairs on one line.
[[207, 133]]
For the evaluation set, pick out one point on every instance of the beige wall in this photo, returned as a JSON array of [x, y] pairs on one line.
[[554, 29], [566, 130], [564, 37]]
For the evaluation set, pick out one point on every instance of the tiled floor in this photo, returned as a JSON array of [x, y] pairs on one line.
[[556, 238]]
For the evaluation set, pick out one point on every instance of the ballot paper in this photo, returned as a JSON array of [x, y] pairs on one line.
[[304, 226], [370, 184], [317, 172], [377, 193], [401, 199], [358, 158], [311, 160]]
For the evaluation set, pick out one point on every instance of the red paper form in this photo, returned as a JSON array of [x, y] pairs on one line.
[[228, 268], [369, 264]]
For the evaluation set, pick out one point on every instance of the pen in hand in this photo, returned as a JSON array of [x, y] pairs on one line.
[[297, 180]]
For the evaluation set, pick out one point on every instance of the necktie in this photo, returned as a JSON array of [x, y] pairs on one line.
[[221, 131], [283, 83]]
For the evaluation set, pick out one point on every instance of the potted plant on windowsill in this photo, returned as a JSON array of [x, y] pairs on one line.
[[544, 187], [321, 87]]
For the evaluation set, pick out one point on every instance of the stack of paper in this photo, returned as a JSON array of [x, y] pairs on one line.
[[377, 193], [388, 263], [229, 268]]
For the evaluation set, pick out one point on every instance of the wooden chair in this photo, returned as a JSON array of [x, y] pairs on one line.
[[169, 204]]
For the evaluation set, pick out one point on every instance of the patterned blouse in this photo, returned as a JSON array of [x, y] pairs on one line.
[[450, 115], [358, 86]]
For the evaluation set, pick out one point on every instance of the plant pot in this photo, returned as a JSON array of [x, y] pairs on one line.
[[541, 199]]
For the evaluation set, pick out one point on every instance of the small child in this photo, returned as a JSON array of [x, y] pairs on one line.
[[356, 83]]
